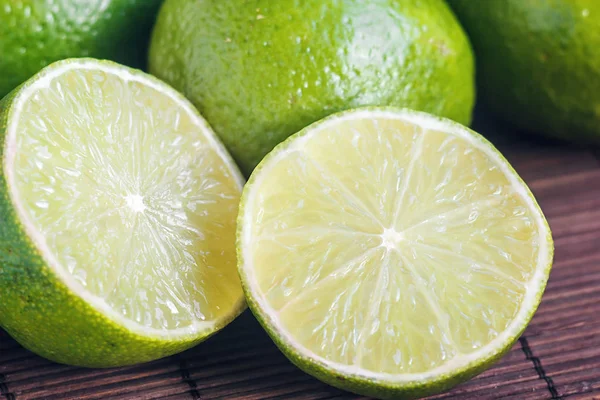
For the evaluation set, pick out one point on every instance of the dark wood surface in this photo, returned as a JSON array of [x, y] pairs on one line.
[[558, 357]]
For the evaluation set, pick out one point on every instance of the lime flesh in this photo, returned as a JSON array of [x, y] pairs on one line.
[[130, 201], [390, 252]]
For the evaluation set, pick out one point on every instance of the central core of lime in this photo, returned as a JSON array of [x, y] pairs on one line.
[[391, 238], [135, 202]]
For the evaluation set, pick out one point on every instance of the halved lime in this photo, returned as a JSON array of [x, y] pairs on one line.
[[117, 207], [391, 253]]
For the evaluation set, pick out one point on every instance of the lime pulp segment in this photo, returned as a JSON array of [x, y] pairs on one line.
[[128, 195], [391, 245]]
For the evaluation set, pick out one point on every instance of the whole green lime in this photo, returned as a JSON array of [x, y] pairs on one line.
[[538, 62], [261, 70], [34, 33]]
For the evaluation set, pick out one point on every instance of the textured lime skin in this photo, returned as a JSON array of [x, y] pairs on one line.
[[538, 62], [34, 33], [261, 70], [44, 315], [356, 383]]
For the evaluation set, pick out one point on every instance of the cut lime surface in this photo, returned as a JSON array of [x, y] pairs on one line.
[[390, 252], [119, 205]]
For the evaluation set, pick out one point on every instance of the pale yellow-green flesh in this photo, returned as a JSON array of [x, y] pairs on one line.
[[381, 245], [131, 197]]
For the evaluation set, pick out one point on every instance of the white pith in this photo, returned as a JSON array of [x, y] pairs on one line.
[[533, 286], [134, 202]]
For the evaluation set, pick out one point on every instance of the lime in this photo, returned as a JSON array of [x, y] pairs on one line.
[[390, 252], [538, 63], [261, 70], [117, 216], [34, 33]]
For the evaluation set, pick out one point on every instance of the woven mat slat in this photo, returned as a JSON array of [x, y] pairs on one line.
[[175, 391], [299, 386], [558, 341], [570, 383], [186, 396], [579, 362], [17, 359], [104, 388], [534, 394], [553, 183], [564, 323], [577, 395], [555, 207], [562, 196], [497, 392], [90, 378], [573, 267], [568, 278], [569, 297], [587, 221], [274, 371], [572, 361], [309, 394], [546, 167]]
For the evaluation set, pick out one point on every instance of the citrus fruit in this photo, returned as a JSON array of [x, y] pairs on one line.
[[117, 218], [538, 63], [34, 33], [262, 70], [390, 252]]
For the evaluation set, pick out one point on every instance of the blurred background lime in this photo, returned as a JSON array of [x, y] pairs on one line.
[[34, 33], [261, 70], [538, 63]]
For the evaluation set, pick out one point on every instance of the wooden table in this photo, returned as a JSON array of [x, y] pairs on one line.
[[558, 357]]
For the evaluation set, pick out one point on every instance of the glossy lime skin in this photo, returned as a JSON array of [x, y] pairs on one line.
[[35, 33], [261, 70], [538, 63]]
